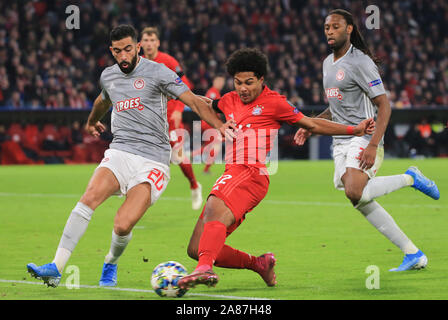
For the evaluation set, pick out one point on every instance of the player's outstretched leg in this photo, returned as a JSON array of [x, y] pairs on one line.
[[423, 184], [48, 273], [75, 227], [412, 262], [264, 265], [211, 242]]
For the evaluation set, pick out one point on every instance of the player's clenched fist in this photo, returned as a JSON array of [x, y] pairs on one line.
[[364, 127]]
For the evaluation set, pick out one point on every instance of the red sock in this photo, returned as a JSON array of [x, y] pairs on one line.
[[187, 169], [211, 242], [207, 167], [229, 257]]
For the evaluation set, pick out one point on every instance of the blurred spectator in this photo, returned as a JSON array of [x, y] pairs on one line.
[[421, 139], [76, 133], [403, 102]]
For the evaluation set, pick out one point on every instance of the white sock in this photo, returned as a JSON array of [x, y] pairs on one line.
[[75, 227], [384, 223], [380, 186], [117, 246], [61, 258]]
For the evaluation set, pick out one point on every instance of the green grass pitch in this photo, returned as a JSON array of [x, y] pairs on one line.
[[322, 245]]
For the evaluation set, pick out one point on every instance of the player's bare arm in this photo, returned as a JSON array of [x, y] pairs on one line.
[[368, 155], [206, 113], [327, 127], [100, 107], [303, 134]]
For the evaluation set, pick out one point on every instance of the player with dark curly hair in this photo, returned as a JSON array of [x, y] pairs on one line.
[[258, 113]]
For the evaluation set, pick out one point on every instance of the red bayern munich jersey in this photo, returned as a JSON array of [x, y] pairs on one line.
[[258, 123]]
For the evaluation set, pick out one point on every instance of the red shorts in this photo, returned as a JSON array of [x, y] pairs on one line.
[[241, 188]]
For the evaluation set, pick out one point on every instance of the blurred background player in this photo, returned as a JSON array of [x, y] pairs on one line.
[[150, 43], [355, 91], [258, 113], [212, 147], [137, 161]]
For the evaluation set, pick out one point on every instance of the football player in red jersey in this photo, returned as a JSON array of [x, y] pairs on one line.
[[150, 43], [258, 113]]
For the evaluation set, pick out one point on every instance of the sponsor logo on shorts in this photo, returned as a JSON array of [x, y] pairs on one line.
[[133, 103], [333, 93]]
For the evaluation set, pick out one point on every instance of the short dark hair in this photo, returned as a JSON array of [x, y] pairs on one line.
[[123, 31], [150, 31], [248, 60]]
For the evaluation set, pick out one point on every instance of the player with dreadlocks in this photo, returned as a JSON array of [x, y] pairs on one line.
[[355, 91]]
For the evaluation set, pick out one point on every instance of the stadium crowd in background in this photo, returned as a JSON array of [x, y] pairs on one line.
[[45, 65]]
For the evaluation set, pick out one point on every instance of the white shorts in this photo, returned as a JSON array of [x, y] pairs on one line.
[[131, 170], [346, 155]]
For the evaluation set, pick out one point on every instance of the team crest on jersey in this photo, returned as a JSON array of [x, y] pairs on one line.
[[340, 75], [333, 93], [257, 110], [133, 103], [139, 84]]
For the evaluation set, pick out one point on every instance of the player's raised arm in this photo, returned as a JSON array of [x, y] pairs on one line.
[[330, 128], [303, 134], [100, 108], [201, 106]]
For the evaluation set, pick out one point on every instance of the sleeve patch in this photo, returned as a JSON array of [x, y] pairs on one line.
[[375, 82]]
